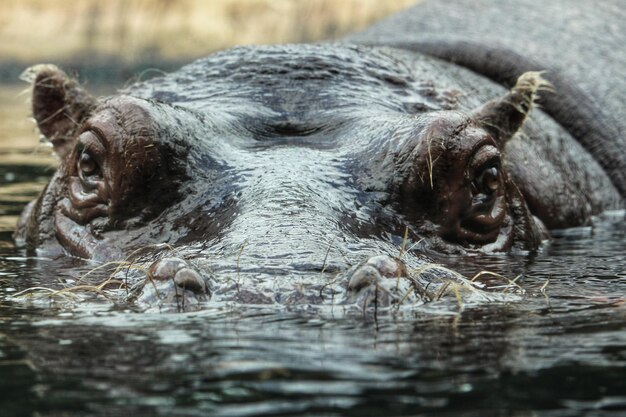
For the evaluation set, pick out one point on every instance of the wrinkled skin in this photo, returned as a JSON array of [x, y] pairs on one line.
[[277, 164]]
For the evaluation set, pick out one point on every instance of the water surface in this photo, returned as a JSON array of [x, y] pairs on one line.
[[559, 350]]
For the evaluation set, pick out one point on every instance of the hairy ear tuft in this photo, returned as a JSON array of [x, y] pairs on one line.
[[59, 104], [504, 116]]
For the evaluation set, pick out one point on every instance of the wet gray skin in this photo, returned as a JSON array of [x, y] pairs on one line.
[[295, 174]]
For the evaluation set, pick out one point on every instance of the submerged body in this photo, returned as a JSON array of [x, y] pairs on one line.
[[274, 165]]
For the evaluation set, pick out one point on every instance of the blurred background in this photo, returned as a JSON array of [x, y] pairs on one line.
[[107, 45]]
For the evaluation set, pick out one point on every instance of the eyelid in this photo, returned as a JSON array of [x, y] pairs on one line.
[[484, 158], [488, 164], [91, 142]]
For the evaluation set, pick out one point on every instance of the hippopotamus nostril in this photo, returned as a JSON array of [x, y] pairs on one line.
[[166, 268], [172, 279], [363, 277], [178, 270], [188, 279], [382, 280]]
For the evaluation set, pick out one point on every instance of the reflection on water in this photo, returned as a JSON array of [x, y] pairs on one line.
[[557, 352]]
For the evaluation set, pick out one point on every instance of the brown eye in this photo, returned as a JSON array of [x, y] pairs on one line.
[[488, 180], [87, 165]]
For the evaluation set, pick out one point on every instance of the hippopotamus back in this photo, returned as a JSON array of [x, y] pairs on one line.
[[579, 44]]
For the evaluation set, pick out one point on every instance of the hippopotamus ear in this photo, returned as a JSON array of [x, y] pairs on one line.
[[60, 105], [504, 116]]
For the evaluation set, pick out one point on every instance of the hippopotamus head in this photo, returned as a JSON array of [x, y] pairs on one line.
[[119, 169], [455, 184], [284, 150]]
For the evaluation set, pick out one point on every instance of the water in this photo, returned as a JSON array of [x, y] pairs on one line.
[[559, 351]]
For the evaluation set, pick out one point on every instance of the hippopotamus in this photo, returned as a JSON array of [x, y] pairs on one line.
[[451, 128]]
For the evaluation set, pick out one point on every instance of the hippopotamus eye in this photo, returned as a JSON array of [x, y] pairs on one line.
[[488, 180], [485, 171], [87, 164], [90, 154]]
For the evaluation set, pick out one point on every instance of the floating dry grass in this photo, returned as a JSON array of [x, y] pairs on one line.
[[446, 279], [418, 281], [450, 279], [108, 288], [71, 292], [510, 283]]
